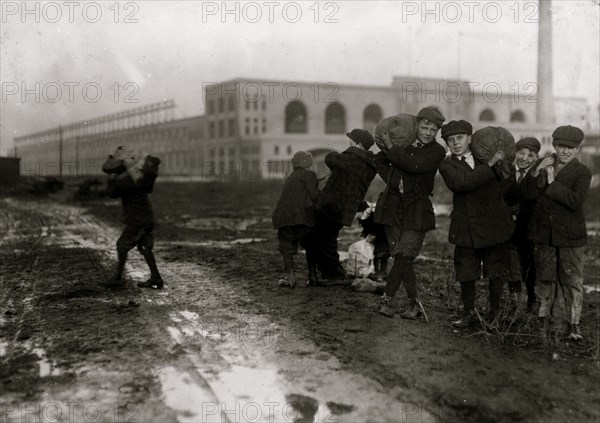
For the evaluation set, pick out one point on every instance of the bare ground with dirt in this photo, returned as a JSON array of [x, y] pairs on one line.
[[223, 343]]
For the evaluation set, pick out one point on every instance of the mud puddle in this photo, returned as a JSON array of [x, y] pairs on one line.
[[231, 224], [211, 243], [47, 367], [264, 371], [591, 288], [229, 363]]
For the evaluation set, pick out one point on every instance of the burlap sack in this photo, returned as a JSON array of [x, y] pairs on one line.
[[402, 129], [142, 167], [489, 140]]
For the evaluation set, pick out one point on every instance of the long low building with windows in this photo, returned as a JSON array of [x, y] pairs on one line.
[[251, 128]]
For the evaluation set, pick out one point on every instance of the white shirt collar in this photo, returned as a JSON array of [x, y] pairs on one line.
[[468, 155], [525, 171], [468, 158]]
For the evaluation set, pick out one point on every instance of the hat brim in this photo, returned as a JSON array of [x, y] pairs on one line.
[[445, 136], [566, 143], [528, 147]]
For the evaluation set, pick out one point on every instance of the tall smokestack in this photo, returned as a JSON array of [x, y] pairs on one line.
[[545, 107]]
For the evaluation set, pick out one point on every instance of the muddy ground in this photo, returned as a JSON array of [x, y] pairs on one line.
[[223, 343]]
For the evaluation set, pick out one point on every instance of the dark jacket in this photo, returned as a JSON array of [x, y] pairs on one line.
[[351, 174], [558, 218], [136, 206], [521, 207], [295, 205], [480, 218], [416, 167]]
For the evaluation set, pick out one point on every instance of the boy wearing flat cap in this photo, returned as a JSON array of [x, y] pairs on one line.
[[481, 222], [560, 184], [404, 208], [522, 267], [293, 217], [351, 174]]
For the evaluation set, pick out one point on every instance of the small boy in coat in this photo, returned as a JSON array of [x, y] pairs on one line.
[[560, 183], [293, 217], [522, 267], [481, 222]]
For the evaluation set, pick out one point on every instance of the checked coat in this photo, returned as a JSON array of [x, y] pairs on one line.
[[558, 218], [351, 174]]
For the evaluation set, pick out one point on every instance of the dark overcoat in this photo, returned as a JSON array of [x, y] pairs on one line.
[[558, 218], [296, 203], [416, 168], [137, 209], [480, 217], [351, 174], [521, 207]]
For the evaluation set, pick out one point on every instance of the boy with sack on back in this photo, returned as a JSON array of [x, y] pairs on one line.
[[131, 177], [481, 222]]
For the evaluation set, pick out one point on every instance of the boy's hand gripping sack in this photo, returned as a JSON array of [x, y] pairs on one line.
[[489, 140], [113, 166], [402, 129]]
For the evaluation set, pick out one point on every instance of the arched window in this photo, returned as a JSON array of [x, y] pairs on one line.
[[296, 121], [517, 116], [371, 116], [487, 116], [335, 119]]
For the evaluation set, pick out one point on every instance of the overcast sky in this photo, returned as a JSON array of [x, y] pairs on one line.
[[147, 51]]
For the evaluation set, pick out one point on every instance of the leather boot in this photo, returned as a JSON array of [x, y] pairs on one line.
[[313, 278], [467, 289], [574, 334], [155, 281], [413, 311], [469, 318], [290, 279], [386, 307]]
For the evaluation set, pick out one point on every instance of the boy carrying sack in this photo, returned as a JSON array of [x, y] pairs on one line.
[[560, 184], [131, 177], [481, 222]]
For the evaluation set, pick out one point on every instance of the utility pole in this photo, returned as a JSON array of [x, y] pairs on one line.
[[458, 54], [545, 94], [77, 155], [60, 152]]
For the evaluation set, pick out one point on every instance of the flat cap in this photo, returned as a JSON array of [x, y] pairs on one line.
[[362, 137], [302, 160], [568, 135], [432, 114], [529, 143], [455, 127]]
